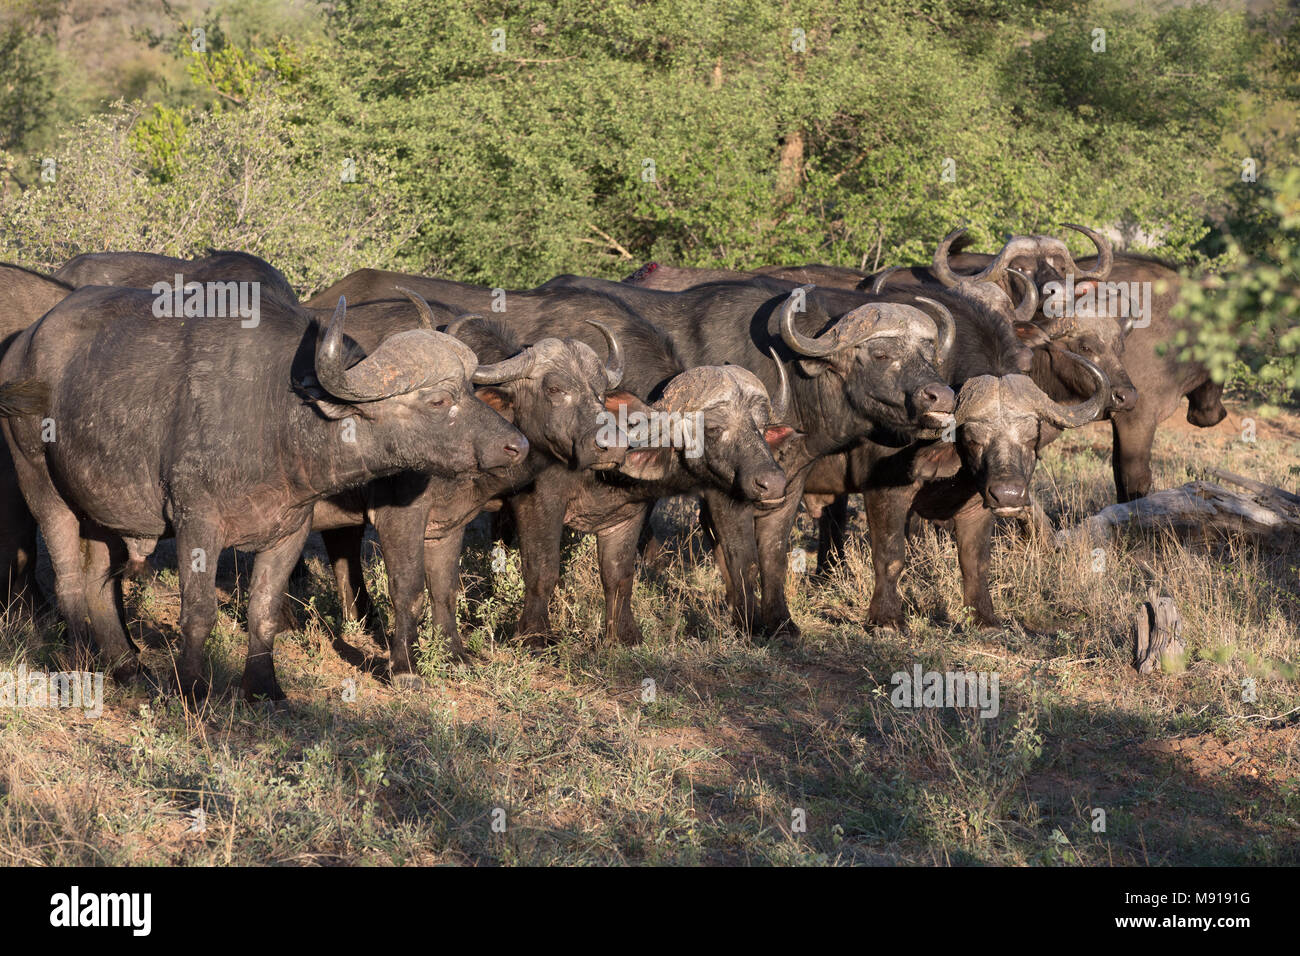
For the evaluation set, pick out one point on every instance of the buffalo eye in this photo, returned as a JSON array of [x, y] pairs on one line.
[[554, 390]]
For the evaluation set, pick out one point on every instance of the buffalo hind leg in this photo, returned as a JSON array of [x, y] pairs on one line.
[[80, 568], [197, 550], [105, 607], [272, 569], [831, 532], [18, 585], [616, 549], [343, 546]]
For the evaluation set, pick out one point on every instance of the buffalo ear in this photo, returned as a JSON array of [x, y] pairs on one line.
[[620, 399], [939, 460], [841, 360], [647, 464], [1031, 335], [312, 394], [777, 435], [499, 400]]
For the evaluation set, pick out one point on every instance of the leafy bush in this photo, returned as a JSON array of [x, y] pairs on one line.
[[1248, 321], [178, 183]]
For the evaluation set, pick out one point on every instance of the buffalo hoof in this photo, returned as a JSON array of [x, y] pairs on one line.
[[129, 671], [887, 629], [986, 626], [540, 639], [783, 632], [407, 682], [463, 655], [627, 633], [255, 689], [193, 690], [890, 625]]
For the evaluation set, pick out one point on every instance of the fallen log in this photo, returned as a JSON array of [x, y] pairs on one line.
[[1198, 508]]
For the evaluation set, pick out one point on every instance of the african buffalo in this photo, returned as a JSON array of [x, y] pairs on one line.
[[24, 297], [222, 435], [142, 270]]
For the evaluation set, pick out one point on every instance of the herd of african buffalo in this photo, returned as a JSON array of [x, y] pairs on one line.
[[410, 405]]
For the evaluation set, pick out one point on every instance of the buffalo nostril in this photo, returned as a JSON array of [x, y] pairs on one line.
[[1008, 494], [936, 398], [1123, 397], [768, 487], [516, 449]]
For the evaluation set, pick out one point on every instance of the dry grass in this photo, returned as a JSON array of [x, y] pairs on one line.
[[739, 735]]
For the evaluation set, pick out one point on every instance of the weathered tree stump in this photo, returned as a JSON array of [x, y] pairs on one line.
[[1158, 634]]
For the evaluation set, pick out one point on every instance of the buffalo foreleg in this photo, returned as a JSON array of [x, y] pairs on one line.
[[442, 579], [617, 549], [887, 510], [731, 525], [539, 518], [772, 533], [1133, 434], [973, 527], [400, 529]]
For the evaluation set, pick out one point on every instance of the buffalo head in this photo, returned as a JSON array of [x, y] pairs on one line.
[[729, 430], [1100, 341], [999, 420], [554, 391], [412, 395], [1043, 258], [885, 355]]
